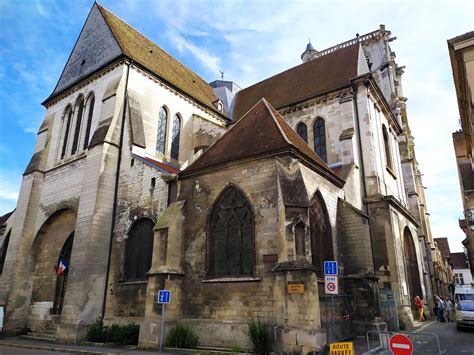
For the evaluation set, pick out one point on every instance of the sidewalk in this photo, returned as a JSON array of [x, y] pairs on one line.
[[71, 348]]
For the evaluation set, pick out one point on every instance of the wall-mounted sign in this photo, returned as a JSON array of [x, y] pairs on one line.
[[295, 287]]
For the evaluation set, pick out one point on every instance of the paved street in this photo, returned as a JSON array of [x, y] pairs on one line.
[[452, 341], [5, 350]]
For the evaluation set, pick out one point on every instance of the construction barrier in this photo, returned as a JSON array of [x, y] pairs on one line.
[[385, 342]]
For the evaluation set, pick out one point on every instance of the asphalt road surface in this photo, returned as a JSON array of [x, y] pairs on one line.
[[451, 341]]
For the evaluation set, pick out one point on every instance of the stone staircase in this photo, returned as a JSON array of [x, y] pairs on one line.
[[47, 333]]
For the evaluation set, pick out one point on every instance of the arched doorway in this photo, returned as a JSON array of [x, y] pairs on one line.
[[320, 231], [61, 278], [53, 239], [411, 267]]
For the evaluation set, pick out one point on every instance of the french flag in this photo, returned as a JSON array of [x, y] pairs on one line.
[[63, 264]]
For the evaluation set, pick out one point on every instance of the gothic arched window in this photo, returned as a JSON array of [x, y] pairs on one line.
[[302, 131], [175, 133], [139, 250], [161, 131], [4, 251], [320, 139], [90, 112], [320, 231], [79, 111], [231, 227], [67, 118], [386, 143]]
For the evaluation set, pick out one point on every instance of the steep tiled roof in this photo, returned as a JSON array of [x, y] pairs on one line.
[[443, 247], [459, 261], [261, 132], [163, 167], [145, 52], [324, 74]]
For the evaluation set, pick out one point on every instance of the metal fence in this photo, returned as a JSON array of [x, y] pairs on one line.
[[423, 343], [337, 313]]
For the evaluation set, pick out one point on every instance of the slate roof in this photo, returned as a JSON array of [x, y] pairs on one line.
[[151, 57], [459, 261], [145, 52], [443, 247], [316, 77], [261, 132], [4, 218]]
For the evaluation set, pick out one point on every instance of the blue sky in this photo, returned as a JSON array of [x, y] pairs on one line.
[[249, 41]]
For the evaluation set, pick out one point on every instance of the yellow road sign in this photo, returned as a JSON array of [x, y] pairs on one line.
[[341, 348]]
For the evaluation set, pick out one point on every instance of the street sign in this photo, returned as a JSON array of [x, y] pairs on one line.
[[164, 296], [401, 345], [341, 349], [330, 268], [295, 287], [331, 285]]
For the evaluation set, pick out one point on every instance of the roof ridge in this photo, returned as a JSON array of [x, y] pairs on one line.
[[267, 104], [101, 10], [149, 41]]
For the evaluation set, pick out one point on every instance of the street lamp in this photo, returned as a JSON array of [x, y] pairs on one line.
[[469, 217]]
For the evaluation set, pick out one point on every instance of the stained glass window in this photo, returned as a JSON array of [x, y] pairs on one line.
[[320, 139], [232, 236], [302, 131], [161, 131], [175, 133]]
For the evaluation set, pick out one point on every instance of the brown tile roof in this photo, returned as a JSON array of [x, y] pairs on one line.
[[261, 132], [149, 55], [163, 167], [443, 247], [459, 261], [324, 74]]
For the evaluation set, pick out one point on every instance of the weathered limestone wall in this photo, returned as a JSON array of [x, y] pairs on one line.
[[337, 114], [152, 95]]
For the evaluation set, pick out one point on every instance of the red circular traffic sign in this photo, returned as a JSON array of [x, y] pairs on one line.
[[401, 345], [331, 286]]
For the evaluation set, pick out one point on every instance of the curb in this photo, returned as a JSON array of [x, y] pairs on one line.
[[49, 348]]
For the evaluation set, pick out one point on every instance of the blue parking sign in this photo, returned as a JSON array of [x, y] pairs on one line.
[[330, 268], [164, 296]]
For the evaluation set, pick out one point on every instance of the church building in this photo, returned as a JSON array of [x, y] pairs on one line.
[[145, 177]]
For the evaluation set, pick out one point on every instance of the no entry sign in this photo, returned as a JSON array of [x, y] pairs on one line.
[[401, 345], [330, 285]]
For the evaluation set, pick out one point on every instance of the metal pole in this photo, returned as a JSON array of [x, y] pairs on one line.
[[332, 318], [162, 325]]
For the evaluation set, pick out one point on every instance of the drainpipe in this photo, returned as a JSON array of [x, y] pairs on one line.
[[364, 183], [117, 178]]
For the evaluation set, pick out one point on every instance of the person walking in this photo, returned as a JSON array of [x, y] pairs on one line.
[[440, 309], [448, 310], [419, 307]]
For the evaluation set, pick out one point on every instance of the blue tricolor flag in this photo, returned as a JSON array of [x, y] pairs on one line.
[[63, 264]]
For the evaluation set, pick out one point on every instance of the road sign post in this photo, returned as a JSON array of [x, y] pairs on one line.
[[331, 286], [164, 297], [401, 345]]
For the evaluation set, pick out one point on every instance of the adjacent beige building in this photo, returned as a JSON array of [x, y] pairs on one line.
[[141, 181], [461, 52]]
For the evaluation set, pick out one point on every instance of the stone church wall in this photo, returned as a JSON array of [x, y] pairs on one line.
[[152, 95]]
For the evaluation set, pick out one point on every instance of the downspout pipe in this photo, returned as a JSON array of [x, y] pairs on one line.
[[364, 183], [117, 180]]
